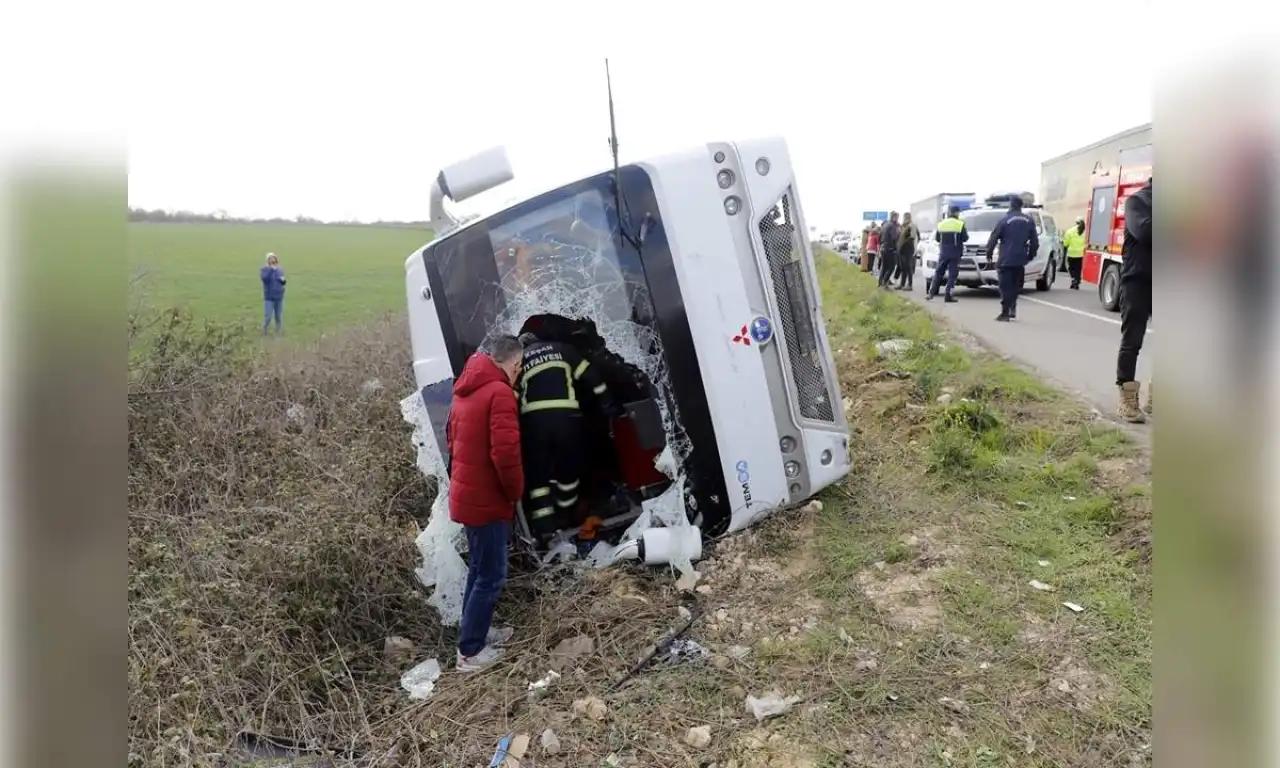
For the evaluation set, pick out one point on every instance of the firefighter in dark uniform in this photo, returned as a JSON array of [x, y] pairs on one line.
[[1016, 236], [555, 381]]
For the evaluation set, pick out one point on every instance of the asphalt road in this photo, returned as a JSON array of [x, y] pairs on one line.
[[1065, 336]]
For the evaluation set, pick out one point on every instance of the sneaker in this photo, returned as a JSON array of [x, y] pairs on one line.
[[498, 636], [1002, 318], [484, 658], [951, 300]]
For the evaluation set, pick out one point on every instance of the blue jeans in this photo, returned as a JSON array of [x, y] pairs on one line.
[[271, 308], [486, 575], [948, 267]]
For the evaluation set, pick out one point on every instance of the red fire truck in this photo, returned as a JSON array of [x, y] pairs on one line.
[[1104, 220]]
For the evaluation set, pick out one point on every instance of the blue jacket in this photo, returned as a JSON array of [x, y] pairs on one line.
[[951, 236], [1016, 234], [272, 283]]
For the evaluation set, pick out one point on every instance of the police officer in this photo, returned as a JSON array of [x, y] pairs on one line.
[[1016, 236], [553, 382], [1073, 240], [951, 236]]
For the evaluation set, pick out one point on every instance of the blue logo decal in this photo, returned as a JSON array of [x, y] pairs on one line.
[[761, 330], [744, 478]]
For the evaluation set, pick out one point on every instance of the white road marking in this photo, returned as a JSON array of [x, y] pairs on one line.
[[1075, 311]]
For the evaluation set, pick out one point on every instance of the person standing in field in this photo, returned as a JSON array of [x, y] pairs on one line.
[[486, 481], [272, 293]]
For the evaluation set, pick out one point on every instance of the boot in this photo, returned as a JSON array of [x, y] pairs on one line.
[[1150, 389], [1130, 394]]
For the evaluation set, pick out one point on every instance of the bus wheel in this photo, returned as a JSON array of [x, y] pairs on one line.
[[1109, 288]]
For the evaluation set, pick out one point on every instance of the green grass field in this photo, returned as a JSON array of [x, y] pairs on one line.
[[337, 275]]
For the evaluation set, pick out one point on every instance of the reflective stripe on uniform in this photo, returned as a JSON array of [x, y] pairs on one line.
[[538, 493], [549, 405], [542, 512], [566, 487], [544, 405], [950, 224], [582, 368], [567, 503], [600, 389]]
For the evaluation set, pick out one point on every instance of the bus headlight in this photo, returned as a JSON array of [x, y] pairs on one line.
[[792, 468], [826, 457], [724, 178], [732, 204], [787, 444]]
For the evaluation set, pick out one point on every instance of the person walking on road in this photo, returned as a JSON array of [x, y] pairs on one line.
[[1135, 303], [907, 242], [951, 236], [272, 293], [889, 250], [1073, 241], [486, 480], [1016, 237]]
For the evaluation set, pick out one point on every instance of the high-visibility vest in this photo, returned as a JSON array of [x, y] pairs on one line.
[[950, 235], [1074, 242]]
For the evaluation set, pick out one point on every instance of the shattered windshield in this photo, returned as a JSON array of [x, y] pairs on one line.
[[555, 254], [564, 247]]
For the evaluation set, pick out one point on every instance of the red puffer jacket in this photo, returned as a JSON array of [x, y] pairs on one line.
[[483, 433]]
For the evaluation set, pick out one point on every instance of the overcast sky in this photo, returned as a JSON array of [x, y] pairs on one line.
[[265, 110]]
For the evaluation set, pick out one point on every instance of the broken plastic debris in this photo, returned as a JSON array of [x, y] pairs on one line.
[[845, 636], [955, 705], [738, 652], [550, 742], [510, 751], [420, 681], [562, 549], [684, 649], [688, 581], [1043, 563], [1040, 585], [539, 686], [1022, 503], [1074, 607], [684, 613], [770, 705]]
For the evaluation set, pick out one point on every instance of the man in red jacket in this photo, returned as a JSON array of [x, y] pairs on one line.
[[486, 479]]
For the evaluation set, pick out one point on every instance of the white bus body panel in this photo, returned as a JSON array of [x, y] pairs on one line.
[[715, 299]]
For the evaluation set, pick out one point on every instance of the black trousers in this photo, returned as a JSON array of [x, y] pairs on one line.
[[1010, 286], [906, 270], [888, 263], [552, 446], [1074, 267], [1135, 313]]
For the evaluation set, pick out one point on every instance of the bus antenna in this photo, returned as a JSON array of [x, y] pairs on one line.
[[618, 202]]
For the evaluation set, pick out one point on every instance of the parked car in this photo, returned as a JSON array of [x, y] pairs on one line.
[[977, 268]]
